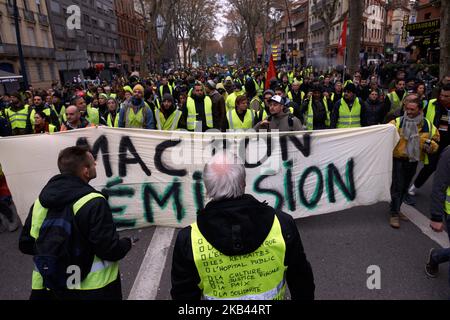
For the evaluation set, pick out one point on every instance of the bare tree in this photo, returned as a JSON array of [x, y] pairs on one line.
[[157, 25], [237, 29], [356, 10], [445, 39], [326, 12], [194, 25], [249, 18], [252, 13]]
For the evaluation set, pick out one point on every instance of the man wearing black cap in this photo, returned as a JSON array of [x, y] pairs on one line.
[[315, 110], [17, 115], [280, 118], [218, 104], [347, 111], [169, 117]]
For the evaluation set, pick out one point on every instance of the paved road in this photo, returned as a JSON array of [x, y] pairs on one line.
[[340, 246]]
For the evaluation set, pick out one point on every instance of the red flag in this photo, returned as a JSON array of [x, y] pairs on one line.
[[343, 40], [271, 72]]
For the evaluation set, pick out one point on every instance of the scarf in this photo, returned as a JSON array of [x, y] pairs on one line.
[[411, 134]]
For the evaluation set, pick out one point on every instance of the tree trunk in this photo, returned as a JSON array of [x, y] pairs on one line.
[[326, 46], [444, 69], [354, 39]]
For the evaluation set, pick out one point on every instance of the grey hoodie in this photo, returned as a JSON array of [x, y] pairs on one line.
[[281, 122]]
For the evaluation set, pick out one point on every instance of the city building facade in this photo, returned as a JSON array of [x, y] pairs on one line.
[[293, 32], [127, 18], [36, 39], [90, 49]]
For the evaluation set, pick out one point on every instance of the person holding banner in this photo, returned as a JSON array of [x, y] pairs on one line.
[[88, 112], [92, 233], [75, 120], [42, 123], [8, 219], [239, 248], [418, 139], [280, 118], [440, 210]]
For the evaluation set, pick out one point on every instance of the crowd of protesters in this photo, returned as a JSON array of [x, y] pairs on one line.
[[223, 99], [227, 98]]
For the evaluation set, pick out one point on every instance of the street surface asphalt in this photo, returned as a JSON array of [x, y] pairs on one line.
[[340, 247]]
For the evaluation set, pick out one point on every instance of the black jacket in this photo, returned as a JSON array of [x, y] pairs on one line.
[[319, 113], [94, 223], [440, 185], [373, 112], [334, 116], [253, 220], [441, 112]]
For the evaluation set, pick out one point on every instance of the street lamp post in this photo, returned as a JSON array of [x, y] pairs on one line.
[[19, 46], [387, 7]]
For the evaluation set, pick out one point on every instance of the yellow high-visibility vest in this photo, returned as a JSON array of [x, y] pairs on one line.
[[245, 277]]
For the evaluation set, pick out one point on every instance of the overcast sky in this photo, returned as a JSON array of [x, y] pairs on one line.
[[221, 30]]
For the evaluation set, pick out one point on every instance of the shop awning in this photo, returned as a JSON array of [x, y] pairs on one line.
[[6, 77]]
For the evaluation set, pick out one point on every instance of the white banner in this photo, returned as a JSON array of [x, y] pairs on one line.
[[155, 177]]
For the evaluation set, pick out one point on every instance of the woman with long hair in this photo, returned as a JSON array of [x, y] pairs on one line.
[[42, 123], [112, 113]]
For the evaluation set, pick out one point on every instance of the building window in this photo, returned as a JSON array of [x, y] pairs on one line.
[[32, 36], [51, 66], [45, 38], [25, 5], [40, 71], [428, 16]]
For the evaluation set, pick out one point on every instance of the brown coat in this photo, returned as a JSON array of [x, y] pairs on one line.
[[218, 109], [400, 150]]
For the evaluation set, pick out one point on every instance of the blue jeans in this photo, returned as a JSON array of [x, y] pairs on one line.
[[442, 255]]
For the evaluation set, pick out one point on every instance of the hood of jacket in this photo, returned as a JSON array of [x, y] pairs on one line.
[[283, 114], [236, 226], [63, 190]]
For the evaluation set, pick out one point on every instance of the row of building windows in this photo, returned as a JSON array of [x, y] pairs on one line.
[[31, 39], [127, 27]]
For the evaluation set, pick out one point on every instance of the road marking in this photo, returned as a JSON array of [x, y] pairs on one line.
[[423, 223], [147, 281]]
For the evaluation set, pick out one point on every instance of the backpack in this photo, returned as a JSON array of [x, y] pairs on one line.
[[56, 249]]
